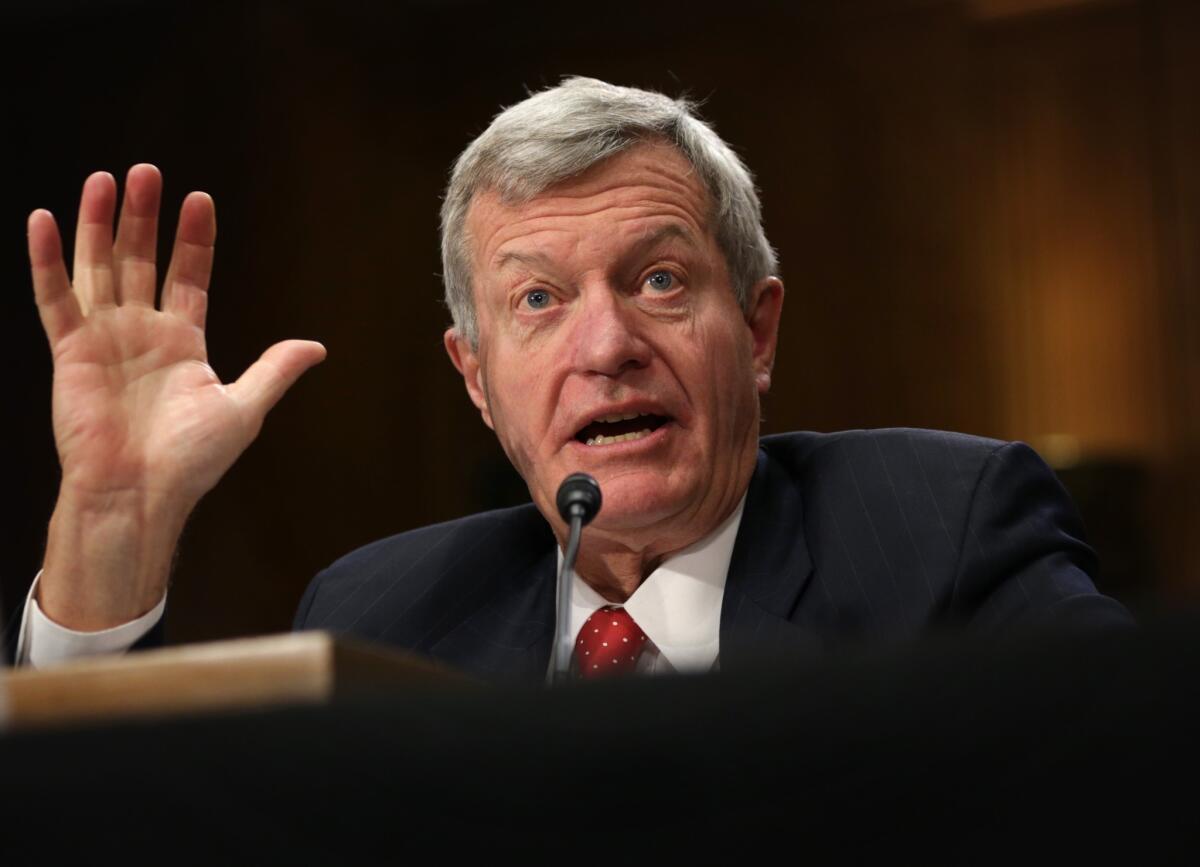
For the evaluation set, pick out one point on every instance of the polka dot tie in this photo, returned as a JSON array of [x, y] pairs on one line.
[[609, 643]]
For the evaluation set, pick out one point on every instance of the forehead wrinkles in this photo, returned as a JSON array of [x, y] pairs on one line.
[[651, 180], [548, 235]]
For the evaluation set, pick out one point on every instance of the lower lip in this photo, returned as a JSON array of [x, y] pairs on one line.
[[625, 447]]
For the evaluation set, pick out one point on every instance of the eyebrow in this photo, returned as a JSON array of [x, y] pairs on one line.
[[671, 231]]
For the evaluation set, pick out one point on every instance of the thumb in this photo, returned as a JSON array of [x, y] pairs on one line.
[[266, 381]]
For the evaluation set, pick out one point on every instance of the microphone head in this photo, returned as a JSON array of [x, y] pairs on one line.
[[578, 496]]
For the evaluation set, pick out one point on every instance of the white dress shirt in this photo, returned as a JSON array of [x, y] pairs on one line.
[[42, 642], [678, 606]]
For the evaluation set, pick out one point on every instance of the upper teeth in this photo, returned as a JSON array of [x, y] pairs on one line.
[[614, 418]]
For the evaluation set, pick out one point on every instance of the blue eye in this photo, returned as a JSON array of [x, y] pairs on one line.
[[661, 281], [537, 299]]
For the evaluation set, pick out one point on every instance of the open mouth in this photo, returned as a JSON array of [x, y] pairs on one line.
[[625, 427]]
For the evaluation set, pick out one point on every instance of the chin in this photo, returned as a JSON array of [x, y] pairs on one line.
[[634, 502]]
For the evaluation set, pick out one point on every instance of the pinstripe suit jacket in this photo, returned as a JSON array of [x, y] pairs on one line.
[[860, 535]]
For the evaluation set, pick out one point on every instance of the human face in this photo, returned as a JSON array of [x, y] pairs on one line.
[[604, 297]]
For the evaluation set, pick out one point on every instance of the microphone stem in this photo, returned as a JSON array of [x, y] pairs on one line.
[[566, 577]]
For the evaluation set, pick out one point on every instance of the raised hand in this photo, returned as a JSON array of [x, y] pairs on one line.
[[143, 425]]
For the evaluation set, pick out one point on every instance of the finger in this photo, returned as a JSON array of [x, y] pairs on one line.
[[56, 303], [185, 290], [93, 243], [266, 381], [137, 237]]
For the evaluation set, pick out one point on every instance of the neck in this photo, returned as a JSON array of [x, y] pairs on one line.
[[616, 574], [616, 568]]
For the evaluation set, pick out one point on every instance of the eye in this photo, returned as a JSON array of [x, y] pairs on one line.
[[661, 281], [538, 299]]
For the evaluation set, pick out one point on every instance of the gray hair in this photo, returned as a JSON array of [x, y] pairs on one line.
[[561, 132]]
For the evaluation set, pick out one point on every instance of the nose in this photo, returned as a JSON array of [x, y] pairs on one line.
[[606, 337]]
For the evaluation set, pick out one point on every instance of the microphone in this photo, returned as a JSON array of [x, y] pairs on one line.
[[578, 501], [578, 496]]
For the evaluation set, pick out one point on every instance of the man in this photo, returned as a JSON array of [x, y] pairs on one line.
[[616, 309]]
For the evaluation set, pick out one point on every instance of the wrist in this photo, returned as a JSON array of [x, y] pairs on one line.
[[108, 557]]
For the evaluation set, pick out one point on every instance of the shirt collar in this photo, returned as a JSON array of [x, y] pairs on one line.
[[678, 606]]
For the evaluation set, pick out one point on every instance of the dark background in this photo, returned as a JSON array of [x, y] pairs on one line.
[[987, 214]]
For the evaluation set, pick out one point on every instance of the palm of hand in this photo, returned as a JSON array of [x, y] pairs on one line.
[[136, 405]]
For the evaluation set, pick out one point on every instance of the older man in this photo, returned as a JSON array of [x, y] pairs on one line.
[[616, 308]]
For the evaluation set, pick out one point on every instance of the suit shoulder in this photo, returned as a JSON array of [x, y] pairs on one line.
[[412, 559], [909, 528], [422, 538], [807, 446], [908, 466]]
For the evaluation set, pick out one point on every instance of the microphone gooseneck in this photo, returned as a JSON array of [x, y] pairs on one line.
[[578, 501]]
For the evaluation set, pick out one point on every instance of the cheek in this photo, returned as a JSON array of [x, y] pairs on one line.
[[729, 381], [520, 399]]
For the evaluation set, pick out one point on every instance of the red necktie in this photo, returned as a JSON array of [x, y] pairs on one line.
[[610, 642]]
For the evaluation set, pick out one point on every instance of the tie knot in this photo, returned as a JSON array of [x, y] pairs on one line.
[[609, 642]]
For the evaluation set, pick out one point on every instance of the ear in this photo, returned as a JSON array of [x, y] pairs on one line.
[[466, 362], [762, 318]]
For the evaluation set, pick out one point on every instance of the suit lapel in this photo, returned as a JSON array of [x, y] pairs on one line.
[[768, 572]]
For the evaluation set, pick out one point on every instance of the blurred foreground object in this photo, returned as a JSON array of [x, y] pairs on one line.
[[252, 673], [950, 751]]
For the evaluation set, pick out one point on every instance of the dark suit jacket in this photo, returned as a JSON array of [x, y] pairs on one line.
[[857, 536]]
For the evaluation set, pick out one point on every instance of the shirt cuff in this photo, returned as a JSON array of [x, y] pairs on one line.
[[42, 642]]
